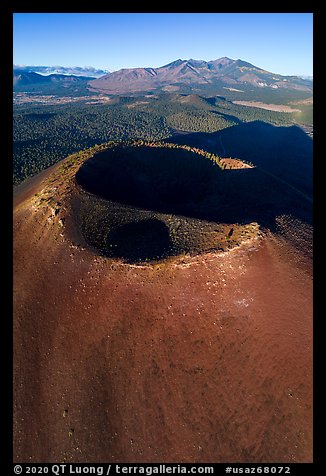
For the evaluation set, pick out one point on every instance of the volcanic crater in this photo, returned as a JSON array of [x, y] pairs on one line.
[[146, 203]]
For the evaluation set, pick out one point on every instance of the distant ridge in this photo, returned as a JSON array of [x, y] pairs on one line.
[[28, 78], [88, 71]]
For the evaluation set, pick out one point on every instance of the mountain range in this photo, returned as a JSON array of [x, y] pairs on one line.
[[182, 76], [66, 70], [225, 72], [22, 78]]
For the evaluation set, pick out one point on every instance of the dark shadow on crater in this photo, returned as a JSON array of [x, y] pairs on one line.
[[145, 240], [155, 178]]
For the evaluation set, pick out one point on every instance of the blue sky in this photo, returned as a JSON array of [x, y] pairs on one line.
[[278, 42]]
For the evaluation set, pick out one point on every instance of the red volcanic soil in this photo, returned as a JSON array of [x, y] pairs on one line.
[[195, 359]]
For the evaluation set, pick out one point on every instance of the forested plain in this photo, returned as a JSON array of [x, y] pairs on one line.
[[45, 134]]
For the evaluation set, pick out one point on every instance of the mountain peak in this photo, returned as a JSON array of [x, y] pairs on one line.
[[197, 63], [224, 59], [174, 63], [221, 61]]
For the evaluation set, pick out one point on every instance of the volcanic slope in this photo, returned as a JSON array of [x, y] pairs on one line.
[[196, 356]]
